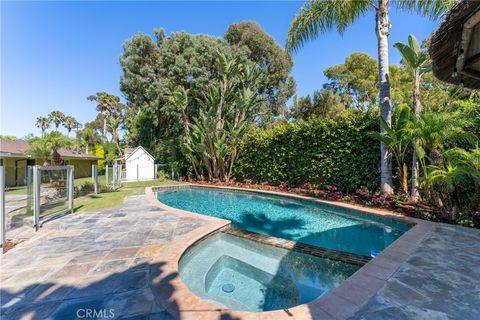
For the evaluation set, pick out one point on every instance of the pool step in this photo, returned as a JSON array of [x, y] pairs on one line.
[[351, 258]]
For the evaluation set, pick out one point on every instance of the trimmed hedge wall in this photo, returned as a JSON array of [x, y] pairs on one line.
[[327, 152]]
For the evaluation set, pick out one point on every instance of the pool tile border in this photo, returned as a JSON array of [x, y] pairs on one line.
[[340, 303], [350, 258]]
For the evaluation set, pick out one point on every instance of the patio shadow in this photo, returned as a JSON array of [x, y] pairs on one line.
[[119, 295]]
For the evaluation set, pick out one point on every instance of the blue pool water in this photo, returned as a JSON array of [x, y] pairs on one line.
[[293, 219], [241, 274]]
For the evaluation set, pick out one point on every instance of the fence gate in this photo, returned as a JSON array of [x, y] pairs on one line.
[[52, 192]]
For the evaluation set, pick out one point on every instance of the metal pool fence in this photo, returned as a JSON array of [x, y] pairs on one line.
[[16, 202], [114, 176], [31, 195], [52, 192]]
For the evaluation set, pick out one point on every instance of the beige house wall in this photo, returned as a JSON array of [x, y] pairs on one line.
[[17, 168], [83, 168]]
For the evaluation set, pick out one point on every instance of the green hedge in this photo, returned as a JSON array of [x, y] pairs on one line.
[[327, 152]]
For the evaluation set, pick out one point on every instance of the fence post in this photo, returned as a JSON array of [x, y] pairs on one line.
[[36, 196], [29, 188], [119, 175], [106, 175], [114, 173], [71, 186], [95, 178], [2, 206], [155, 170]]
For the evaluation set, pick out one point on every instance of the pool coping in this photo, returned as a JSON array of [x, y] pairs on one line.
[[339, 303]]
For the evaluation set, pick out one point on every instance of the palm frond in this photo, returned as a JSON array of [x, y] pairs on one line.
[[433, 9], [320, 16]]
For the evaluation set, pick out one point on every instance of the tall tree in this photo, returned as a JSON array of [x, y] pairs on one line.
[[275, 63], [106, 104], [153, 68], [70, 124], [114, 123], [226, 110], [325, 103], [319, 16], [43, 123], [418, 61], [89, 138], [57, 117], [46, 148], [355, 80]]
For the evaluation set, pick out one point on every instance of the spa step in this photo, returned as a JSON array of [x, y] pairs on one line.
[[300, 247]]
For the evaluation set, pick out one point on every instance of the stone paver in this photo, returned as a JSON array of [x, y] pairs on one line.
[[93, 261], [103, 263], [439, 280]]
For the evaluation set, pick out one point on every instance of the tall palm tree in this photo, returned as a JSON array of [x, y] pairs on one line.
[[57, 117], [78, 126], [70, 124], [418, 61], [43, 123], [106, 105], [319, 16]]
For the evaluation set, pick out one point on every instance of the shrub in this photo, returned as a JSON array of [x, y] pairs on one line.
[[87, 187], [327, 152], [162, 175]]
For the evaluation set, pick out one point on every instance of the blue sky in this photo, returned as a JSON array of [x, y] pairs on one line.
[[55, 54]]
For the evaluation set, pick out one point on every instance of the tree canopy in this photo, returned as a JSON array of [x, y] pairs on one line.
[[154, 67]]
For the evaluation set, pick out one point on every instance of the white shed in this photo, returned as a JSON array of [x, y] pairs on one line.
[[139, 165]]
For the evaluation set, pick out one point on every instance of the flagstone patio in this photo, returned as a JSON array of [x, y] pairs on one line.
[[91, 261], [104, 262]]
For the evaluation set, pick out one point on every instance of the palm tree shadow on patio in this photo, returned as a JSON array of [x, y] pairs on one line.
[[119, 295]]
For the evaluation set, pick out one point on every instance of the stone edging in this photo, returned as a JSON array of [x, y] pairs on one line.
[[339, 303]]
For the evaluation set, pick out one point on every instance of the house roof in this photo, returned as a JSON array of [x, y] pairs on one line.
[[128, 151], [19, 148], [455, 45], [133, 150]]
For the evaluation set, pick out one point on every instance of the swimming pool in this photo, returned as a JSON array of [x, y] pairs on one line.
[[289, 218]]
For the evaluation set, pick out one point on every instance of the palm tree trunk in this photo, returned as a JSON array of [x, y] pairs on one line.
[[382, 30], [223, 91], [105, 126], [414, 194]]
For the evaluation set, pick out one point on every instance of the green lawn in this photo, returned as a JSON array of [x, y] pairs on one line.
[[16, 190], [96, 202], [77, 182]]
